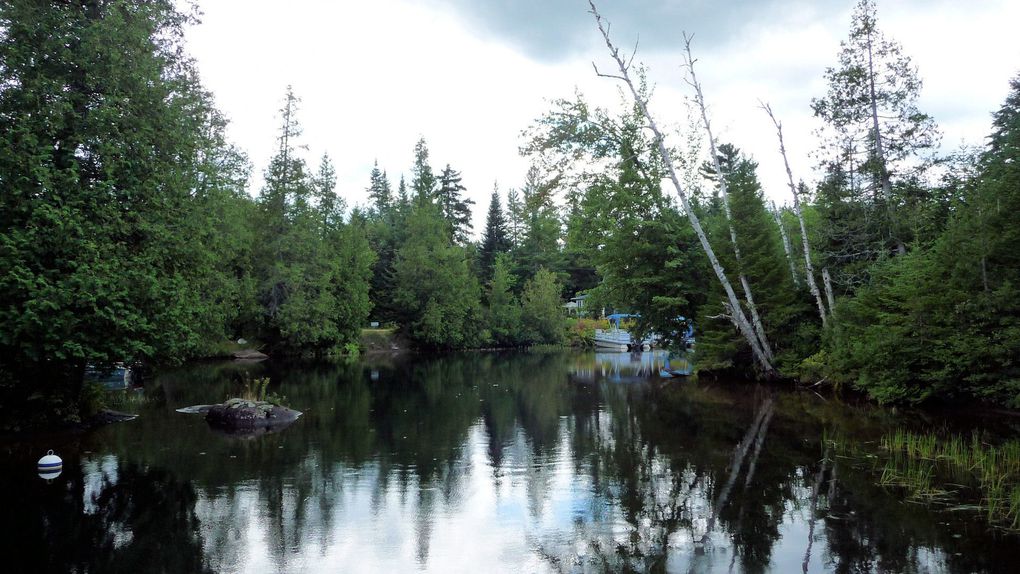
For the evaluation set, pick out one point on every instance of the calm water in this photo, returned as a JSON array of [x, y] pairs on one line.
[[486, 463]]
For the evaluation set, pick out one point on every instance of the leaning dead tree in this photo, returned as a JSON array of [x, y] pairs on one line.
[[786, 244], [732, 303], [808, 266], [699, 97], [755, 435]]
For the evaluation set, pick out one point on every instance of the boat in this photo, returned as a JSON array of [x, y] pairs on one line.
[[684, 369], [619, 339], [117, 377]]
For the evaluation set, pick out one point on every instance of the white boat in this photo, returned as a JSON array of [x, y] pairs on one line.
[[616, 339], [620, 339]]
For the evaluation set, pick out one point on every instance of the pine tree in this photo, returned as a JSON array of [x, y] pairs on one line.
[[515, 215], [329, 205], [437, 298], [873, 129], [423, 181], [379, 191], [455, 208], [496, 239], [504, 312]]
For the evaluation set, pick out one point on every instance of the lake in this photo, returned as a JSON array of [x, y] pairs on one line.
[[492, 462]]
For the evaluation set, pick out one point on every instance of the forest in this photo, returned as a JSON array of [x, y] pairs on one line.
[[129, 230]]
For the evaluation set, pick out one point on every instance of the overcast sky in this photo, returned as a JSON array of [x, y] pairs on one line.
[[470, 75]]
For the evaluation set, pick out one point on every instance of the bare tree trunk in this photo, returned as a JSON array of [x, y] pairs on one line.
[[886, 177], [786, 244], [809, 270], [815, 489], [699, 97], [827, 279], [737, 313], [755, 435]]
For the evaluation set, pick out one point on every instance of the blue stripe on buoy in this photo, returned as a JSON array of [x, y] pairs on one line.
[[51, 465]]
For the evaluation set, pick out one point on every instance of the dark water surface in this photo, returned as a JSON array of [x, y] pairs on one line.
[[559, 462]]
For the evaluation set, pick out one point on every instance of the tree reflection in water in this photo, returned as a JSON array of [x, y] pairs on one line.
[[494, 462]]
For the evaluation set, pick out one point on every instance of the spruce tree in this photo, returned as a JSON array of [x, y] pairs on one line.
[[541, 229], [423, 180], [504, 312], [379, 191], [496, 239], [515, 216], [437, 298], [329, 205], [873, 130], [455, 208]]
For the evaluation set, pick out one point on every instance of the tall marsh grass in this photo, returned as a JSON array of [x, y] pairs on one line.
[[928, 465]]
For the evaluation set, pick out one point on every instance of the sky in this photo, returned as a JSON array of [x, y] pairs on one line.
[[470, 75]]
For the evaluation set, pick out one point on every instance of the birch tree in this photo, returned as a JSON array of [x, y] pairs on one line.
[[732, 303], [699, 98], [808, 265], [787, 249]]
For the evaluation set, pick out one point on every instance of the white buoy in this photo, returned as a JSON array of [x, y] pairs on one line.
[[50, 466]]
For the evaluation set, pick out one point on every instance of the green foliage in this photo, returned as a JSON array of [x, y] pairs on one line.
[[315, 270], [643, 255], [436, 297], [114, 171], [944, 322], [456, 209], [496, 240], [504, 312], [785, 310], [541, 309], [581, 331], [423, 180], [540, 227]]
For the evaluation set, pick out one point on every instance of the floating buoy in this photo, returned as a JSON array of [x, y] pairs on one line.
[[50, 466]]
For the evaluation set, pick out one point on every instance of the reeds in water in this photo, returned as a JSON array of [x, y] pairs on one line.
[[925, 463]]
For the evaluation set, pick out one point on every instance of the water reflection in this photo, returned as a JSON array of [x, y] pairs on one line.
[[493, 462]]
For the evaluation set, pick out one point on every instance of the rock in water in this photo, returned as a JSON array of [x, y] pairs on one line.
[[239, 416], [250, 355]]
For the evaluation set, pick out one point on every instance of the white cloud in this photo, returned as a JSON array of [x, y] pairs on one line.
[[375, 76]]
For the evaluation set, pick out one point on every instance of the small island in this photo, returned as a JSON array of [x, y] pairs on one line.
[[243, 416]]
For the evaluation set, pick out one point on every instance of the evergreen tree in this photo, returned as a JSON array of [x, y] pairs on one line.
[[436, 296], [423, 181], [873, 129], [403, 201], [945, 322], [504, 312], [455, 208], [108, 149], [329, 205], [541, 229], [783, 308], [496, 239], [314, 270], [379, 191], [515, 216], [281, 198]]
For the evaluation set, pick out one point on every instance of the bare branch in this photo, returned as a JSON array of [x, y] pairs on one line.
[[739, 318], [808, 266]]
